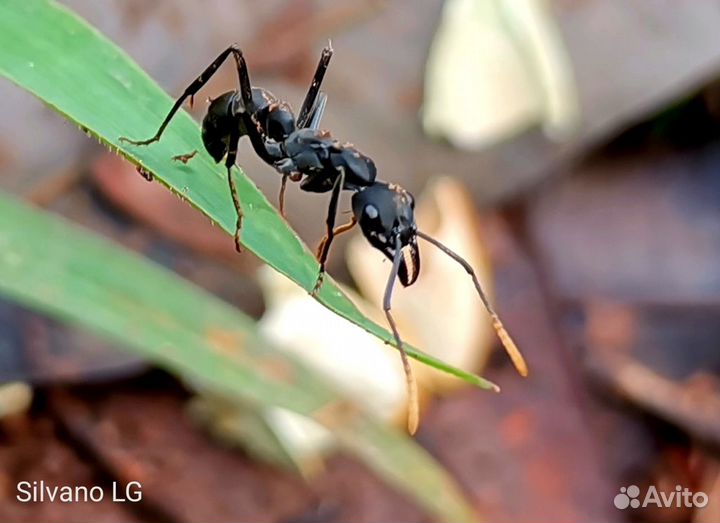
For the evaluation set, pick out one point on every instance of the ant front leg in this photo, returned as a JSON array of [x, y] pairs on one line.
[[229, 162], [413, 405], [325, 245], [194, 87]]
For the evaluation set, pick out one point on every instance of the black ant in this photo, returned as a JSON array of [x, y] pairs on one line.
[[301, 152]]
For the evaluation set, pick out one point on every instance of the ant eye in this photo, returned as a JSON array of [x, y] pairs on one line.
[[371, 212]]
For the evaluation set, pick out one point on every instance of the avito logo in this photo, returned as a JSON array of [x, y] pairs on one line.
[[629, 497]]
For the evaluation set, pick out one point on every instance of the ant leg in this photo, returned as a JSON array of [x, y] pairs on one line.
[[332, 212], [292, 176], [317, 112], [510, 347], [281, 196], [238, 209], [413, 408], [245, 112], [336, 232], [190, 92], [243, 78], [312, 93], [229, 162], [258, 140], [245, 109]]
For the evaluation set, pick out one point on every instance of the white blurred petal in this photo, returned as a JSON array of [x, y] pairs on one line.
[[355, 362], [496, 68]]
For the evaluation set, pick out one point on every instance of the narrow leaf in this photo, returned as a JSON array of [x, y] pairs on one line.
[[57, 56], [53, 267]]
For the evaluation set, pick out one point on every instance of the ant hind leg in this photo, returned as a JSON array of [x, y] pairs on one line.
[[190, 92], [311, 98]]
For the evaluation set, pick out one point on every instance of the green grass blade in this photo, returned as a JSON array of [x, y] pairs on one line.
[[57, 56], [85, 280]]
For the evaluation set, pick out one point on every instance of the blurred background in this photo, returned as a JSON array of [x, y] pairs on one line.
[[569, 149]]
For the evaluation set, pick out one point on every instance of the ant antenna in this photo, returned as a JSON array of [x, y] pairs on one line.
[[413, 407], [510, 347]]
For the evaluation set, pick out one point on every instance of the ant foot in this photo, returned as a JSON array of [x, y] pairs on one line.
[[318, 284], [145, 174], [238, 227]]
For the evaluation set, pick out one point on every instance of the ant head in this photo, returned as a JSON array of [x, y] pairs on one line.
[[280, 121], [386, 215]]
